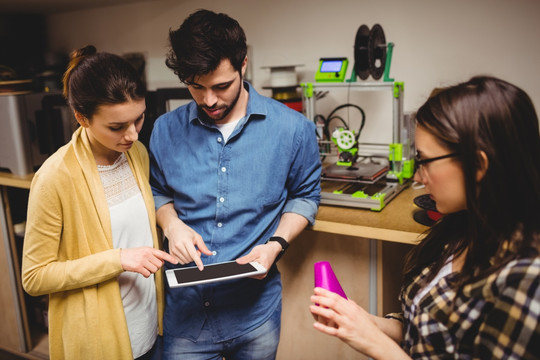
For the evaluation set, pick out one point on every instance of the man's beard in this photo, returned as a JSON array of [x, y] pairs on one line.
[[205, 118]]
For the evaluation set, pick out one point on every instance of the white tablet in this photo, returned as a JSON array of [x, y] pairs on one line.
[[211, 273]]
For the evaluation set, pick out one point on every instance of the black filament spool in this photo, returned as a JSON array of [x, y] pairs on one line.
[[376, 51], [361, 52]]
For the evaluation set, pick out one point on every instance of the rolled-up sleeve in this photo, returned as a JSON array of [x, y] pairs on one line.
[[305, 175]]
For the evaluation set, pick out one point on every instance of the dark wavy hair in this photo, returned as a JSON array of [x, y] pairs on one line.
[[202, 41], [502, 220], [94, 79]]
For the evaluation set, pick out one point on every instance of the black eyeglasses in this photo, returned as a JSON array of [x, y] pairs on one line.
[[418, 163]]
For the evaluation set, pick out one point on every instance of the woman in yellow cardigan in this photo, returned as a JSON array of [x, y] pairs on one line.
[[91, 241]]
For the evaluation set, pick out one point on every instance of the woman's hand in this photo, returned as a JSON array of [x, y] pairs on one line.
[[337, 316], [144, 260]]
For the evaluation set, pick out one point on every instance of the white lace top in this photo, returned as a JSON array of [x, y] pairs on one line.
[[131, 228]]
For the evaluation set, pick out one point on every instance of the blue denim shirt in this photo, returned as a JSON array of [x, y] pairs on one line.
[[233, 194]]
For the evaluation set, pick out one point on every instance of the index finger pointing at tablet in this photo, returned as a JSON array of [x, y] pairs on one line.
[[166, 256], [202, 248]]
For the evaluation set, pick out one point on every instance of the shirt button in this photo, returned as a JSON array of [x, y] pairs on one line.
[[207, 303], [219, 139], [223, 169], [219, 224], [214, 253], [221, 199]]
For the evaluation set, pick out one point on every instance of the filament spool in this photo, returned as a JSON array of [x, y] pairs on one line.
[[376, 51], [361, 58], [370, 52]]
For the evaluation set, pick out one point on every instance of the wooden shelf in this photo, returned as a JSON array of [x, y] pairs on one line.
[[394, 223], [41, 346], [22, 182]]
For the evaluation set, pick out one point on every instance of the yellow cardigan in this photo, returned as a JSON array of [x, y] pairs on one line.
[[68, 253]]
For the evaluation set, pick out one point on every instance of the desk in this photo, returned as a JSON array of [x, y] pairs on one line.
[[394, 223], [23, 182], [364, 247]]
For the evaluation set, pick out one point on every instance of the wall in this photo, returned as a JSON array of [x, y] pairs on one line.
[[437, 42]]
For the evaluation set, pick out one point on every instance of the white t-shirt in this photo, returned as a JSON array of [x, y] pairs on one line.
[[131, 228], [227, 129]]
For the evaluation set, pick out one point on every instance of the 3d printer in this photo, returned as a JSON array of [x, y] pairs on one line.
[[362, 179]]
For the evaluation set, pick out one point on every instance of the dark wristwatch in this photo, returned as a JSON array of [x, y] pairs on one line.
[[284, 245]]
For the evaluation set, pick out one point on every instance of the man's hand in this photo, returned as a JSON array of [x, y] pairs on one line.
[[185, 244], [264, 254]]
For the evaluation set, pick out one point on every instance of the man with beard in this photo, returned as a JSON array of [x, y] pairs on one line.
[[235, 176]]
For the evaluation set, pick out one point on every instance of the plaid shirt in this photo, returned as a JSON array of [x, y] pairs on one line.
[[497, 317]]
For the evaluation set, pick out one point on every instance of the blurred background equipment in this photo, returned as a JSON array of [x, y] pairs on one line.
[[332, 69], [34, 125], [284, 85]]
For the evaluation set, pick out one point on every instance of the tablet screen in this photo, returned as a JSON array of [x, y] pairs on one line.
[[221, 270]]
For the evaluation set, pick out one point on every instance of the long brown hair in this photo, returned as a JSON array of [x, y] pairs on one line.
[[502, 220]]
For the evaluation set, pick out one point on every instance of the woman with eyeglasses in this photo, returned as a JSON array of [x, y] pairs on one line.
[[472, 285]]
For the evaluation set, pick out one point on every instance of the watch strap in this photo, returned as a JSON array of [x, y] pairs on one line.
[[284, 245]]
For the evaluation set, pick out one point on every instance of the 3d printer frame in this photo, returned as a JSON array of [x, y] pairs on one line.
[[369, 192]]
